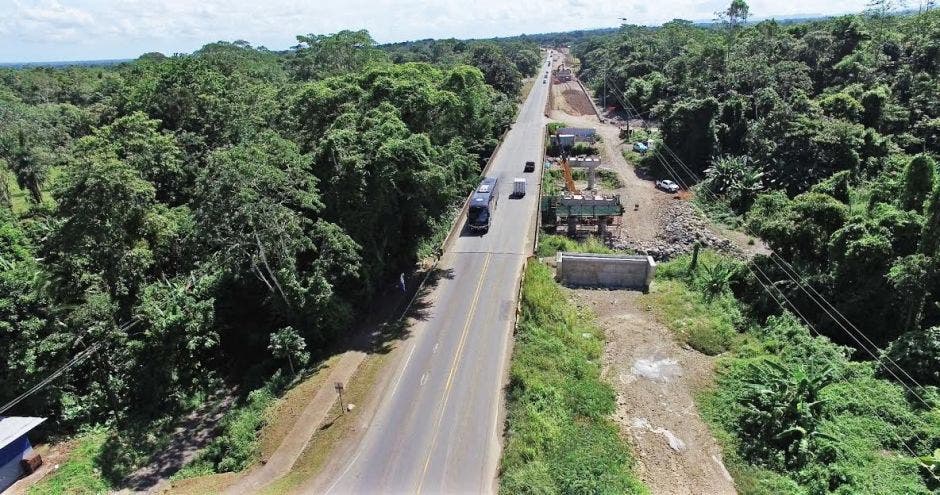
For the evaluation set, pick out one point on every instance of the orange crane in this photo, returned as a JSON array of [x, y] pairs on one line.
[[569, 180]]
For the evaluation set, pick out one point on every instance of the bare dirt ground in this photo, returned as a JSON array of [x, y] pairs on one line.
[[641, 224], [656, 381], [569, 98], [654, 220], [53, 456], [655, 378]]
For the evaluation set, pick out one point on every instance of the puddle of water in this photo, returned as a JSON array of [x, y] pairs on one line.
[[657, 369]]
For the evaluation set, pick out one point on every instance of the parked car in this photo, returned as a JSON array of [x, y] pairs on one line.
[[529, 167], [667, 185], [640, 147]]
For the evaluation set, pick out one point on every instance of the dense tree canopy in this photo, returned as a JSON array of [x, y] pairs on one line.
[[822, 133], [241, 207]]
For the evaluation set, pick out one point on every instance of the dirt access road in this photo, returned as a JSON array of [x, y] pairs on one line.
[[655, 378]]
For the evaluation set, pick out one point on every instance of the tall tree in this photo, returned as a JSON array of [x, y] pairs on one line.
[[918, 182]]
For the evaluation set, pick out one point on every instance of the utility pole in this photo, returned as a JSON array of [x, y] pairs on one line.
[[606, 68]]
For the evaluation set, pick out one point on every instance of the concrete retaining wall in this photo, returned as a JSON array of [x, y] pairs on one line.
[[606, 270]]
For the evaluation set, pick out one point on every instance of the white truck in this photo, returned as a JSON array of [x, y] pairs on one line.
[[518, 187], [667, 185]]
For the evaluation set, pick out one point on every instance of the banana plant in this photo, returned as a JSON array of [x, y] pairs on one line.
[[931, 463], [784, 409], [715, 279]]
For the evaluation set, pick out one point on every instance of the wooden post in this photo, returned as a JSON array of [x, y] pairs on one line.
[[339, 389], [694, 263]]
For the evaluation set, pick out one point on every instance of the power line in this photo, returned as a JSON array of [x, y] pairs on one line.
[[787, 271], [78, 358], [800, 280], [809, 324]]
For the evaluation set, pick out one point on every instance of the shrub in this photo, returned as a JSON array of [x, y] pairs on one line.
[[918, 353], [583, 149], [237, 446]]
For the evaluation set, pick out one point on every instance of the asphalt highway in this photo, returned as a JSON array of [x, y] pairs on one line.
[[438, 427]]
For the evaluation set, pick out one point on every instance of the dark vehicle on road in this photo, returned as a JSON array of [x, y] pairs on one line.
[[529, 167], [482, 205]]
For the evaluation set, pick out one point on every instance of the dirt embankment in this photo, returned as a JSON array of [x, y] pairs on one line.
[[569, 98], [656, 381]]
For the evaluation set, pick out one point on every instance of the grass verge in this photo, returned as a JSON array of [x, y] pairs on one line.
[[527, 85], [793, 413], [559, 438], [696, 304], [80, 473], [549, 245], [335, 429]]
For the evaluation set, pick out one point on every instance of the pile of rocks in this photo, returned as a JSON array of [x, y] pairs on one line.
[[681, 227]]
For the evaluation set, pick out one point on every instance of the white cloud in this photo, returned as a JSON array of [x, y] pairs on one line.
[[49, 21], [43, 29]]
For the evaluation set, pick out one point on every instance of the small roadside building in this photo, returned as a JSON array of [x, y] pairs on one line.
[[581, 134], [14, 446]]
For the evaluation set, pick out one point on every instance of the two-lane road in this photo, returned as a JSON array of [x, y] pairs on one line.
[[437, 429]]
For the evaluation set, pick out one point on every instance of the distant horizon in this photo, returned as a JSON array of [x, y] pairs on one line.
[[115, 61], [51, 31]]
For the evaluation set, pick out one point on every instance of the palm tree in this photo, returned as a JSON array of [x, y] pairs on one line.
[[30, 170]]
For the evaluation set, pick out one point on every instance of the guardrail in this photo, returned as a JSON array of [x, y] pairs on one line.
[[538, 207]]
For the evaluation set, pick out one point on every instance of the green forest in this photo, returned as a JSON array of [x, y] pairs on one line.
[[212, 221], [182, 227], [822, 139]]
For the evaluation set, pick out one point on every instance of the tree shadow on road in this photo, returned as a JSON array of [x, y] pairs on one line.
[[416, 307]]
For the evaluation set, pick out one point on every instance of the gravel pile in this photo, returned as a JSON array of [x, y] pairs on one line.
[[680, 227]]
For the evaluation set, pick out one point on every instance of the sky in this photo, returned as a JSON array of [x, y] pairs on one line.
[[60, 30]]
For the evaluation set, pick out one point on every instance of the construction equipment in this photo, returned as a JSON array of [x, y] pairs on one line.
[[569, 179]]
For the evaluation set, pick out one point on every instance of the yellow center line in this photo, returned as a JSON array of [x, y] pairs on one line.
[[453, 370]]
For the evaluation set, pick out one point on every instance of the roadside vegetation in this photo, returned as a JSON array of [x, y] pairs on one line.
[[559, 438], [231, 211], [549, 245], [794, 412], [81, 472], [697, 305], [820, 138]]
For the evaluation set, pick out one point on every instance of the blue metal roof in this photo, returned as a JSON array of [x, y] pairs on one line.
[[13, 427]]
